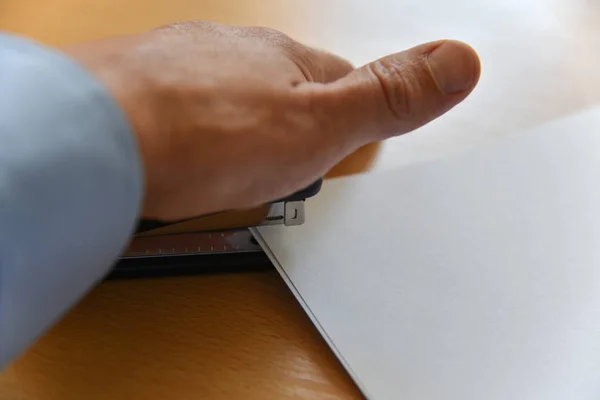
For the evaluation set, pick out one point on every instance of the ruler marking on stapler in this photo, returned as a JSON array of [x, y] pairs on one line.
[[239, 240], [235, 241]]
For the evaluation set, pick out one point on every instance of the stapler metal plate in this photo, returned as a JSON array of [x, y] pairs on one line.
[[207, 243]]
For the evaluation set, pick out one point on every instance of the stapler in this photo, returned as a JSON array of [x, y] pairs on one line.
[[218, 242]]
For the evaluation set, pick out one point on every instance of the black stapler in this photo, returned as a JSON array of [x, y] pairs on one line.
[[219, 242]]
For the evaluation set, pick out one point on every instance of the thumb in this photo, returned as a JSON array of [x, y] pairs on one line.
[[398, 93]]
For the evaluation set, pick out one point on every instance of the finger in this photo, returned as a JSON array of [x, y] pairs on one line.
[[320, 66], [398, 93]]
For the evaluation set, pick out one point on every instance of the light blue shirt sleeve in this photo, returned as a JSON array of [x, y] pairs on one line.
[[71, 187]]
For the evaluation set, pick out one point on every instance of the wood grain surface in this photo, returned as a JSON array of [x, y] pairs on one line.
[[238, 336]]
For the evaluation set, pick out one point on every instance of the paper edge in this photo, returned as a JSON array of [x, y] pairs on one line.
[[263, 244]]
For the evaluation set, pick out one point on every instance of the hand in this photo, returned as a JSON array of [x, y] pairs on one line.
[[232, 117]]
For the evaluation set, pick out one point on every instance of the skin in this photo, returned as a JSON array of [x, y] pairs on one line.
[[232, 117]]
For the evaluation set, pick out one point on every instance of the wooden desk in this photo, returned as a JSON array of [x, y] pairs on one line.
[[239, 336]]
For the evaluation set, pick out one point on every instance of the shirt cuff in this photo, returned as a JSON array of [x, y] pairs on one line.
[[71, 187]]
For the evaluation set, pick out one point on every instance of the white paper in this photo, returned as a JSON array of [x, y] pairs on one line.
[[468, 278]]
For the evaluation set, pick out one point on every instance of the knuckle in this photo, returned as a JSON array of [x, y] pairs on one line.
[[299, 54], [310, 70], [399, 85], [320, 66], [269, 34], [185, 26]]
